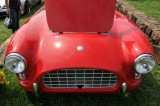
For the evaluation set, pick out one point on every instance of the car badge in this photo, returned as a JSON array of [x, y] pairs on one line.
[[80, 48]]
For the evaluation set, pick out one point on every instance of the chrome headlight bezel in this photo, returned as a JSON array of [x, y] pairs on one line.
[[143, 60], [18, 58]]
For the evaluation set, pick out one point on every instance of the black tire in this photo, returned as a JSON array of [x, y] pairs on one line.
[[27, 8], [40, 2]]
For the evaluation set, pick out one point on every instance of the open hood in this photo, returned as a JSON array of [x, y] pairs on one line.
[[80, 15]]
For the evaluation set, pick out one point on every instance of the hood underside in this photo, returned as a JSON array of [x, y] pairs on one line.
[[80, 15]]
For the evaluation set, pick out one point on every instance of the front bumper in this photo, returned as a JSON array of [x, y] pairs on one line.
[[37, 90]]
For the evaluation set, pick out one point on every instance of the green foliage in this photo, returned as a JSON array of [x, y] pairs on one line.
[[150, 7]]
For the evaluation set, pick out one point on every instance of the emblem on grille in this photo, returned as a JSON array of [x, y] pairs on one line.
[[80, 48]]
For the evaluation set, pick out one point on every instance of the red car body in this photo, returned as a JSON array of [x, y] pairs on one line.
[[46, 51]]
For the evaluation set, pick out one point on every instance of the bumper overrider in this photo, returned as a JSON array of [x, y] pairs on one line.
[[36, 89]]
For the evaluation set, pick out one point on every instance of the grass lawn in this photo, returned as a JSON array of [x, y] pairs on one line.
[[148, 93], [150, 7]]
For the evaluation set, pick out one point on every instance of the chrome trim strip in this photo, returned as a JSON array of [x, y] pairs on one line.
[[143, 55]]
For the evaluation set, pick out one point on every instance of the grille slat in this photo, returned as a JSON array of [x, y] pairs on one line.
[[74, 81], [81, 73], [74, 84], [80, 78]]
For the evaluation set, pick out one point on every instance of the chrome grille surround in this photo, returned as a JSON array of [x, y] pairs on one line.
[[80, 78]]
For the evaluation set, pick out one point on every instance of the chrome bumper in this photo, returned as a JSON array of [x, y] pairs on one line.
[[37, 91]]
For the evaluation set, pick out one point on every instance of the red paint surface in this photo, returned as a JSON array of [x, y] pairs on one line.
[[46, 51], [80, 15]]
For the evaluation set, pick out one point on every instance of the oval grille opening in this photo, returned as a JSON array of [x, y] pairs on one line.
[[80, 78]]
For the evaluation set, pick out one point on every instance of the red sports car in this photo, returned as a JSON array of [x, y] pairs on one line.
[[79, 46]]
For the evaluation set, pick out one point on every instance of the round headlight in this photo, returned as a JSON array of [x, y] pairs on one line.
[[15, 63], [144, 63]]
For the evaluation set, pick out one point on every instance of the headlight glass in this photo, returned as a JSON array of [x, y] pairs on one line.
[[144, 63], [15, 63]]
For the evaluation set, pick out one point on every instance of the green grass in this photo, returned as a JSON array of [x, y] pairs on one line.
[[150, 7], [6, 33], [147, 94]]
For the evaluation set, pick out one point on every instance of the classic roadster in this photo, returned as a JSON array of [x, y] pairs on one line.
[[79, 46]]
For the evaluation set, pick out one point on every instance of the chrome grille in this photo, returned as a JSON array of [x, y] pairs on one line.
[[80, 78]]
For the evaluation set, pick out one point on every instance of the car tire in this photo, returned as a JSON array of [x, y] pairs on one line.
[[40, 2], [27, 8]]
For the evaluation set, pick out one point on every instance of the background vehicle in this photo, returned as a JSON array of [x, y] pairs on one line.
[[27, 4]]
